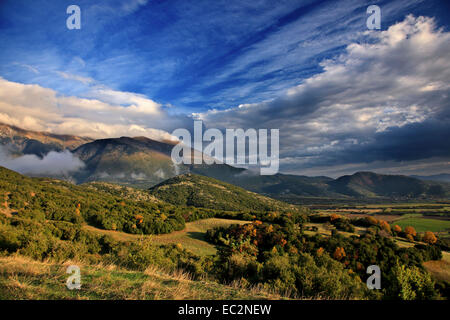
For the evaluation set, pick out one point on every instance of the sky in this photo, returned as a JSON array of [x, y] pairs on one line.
[[345, 98]]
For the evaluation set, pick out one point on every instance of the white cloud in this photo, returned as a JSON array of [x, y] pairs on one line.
[[130, 6], [106, 113], [69, 76]]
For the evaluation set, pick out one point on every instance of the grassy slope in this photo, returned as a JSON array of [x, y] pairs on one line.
[[191, 238], [23, 278]]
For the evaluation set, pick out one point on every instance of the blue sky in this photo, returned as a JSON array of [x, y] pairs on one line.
[[195, 56]]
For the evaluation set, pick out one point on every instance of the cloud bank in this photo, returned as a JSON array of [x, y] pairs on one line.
[[102, 113], [53, 164], [385, 99]]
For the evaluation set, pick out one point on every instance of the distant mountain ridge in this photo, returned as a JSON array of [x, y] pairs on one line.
[[369, 184], [358, 185], [22, 141], [143, 162], [443, 177]]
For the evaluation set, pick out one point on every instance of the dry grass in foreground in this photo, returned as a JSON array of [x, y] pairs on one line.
[[24, 278], [440, 269]]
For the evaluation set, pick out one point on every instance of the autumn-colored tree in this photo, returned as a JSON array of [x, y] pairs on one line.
[[429, 237], [339, 253], [139, 218], [410, 230], [77, 210], [410, 237], [334, 217], [385, 226], [359, 266], [372, 220], [293, 250], [397, 228], [319, 251]]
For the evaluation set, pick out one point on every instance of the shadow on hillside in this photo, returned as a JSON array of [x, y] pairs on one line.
[[196, 235]]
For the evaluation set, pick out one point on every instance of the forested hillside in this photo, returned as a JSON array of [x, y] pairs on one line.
[[204, 192]]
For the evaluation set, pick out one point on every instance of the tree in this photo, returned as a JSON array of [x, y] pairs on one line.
[[397, 228], [410, 237], [385, 226], [372, 220], [339, 253], [413, 284], [319, 251], [139, 219], [410, 231], [334, 217], [429, 237]]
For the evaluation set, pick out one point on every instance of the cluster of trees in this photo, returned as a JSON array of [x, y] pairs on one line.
[[263, 253], [62, 241], [411, 234], [278, 256], [408, 232]]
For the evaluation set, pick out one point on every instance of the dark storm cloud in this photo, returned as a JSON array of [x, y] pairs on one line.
[[386, 99]]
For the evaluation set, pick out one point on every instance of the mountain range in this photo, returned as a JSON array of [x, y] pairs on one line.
[[443, 177], [20, 141], [143, 162]]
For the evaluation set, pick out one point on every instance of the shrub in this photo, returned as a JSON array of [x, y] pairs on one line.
[[413, 284]]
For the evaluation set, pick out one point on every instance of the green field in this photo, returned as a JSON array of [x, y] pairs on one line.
[[423, 224]]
